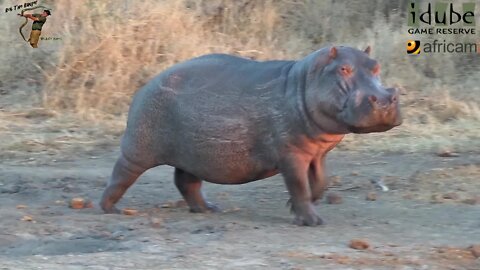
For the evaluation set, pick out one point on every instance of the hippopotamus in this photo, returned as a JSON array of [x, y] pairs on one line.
[[230, 120]]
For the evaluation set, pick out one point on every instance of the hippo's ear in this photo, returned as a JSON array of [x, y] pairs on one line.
[[333, 53], [325, 58], [368, 50]]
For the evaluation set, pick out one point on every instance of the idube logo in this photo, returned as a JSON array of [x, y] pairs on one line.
[[441, 19]]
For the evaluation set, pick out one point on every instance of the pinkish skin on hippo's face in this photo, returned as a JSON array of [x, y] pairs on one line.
[[351, 95]]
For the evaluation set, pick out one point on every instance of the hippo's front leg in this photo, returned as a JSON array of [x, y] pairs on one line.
[[316, 178], [316, 171], [295, 172]]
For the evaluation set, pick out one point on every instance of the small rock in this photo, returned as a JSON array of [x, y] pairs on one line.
[[88, 204], [378, 183], [11, 190], [21, 206], [359, 244], [334, 198], [472, 201], [118, 235], [234, 209], [155, 222], [27, 218], [354, 173], [129, 212], [168, 205], [451, 196], [475, 249], [335, 181], [371, 196], [447, 153], [77, 203]]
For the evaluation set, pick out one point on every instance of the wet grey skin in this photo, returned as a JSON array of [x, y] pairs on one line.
[[229, 120]]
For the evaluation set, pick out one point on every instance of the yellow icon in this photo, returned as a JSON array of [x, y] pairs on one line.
[[413, 47]]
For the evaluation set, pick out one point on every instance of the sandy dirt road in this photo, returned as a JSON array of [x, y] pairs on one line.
[[427, 220]]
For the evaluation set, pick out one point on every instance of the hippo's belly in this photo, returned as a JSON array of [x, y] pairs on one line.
[[223, 162], [222, 146]]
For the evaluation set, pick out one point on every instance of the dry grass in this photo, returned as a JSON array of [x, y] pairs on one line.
[[98, 72], [110, 48]]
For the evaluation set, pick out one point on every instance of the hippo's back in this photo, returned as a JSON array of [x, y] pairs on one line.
[[221, 73]]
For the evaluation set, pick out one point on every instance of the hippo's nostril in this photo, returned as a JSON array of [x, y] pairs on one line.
[[372, 98], [393, 94], [394, 99]]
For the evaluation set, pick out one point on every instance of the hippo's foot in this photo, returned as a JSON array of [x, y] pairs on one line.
[[307, 220], [123, 176], [111, 210], [305, 214], [207, 207], [190, 187]]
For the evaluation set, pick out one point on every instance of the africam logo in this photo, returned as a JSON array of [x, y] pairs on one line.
[[436, 46], [413, 46]]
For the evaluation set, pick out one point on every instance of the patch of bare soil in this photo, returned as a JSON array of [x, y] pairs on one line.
[[401, 229], [457, 184]]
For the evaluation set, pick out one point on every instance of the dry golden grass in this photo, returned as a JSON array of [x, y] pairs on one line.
[[98, 72], [110, 48]]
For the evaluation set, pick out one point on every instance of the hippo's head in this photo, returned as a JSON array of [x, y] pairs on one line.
[[344, 93]]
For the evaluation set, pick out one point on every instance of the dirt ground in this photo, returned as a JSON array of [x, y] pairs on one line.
[[63, 108], [427, 220]]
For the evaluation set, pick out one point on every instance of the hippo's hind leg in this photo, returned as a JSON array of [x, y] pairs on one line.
[[190, 187], [124, 174]]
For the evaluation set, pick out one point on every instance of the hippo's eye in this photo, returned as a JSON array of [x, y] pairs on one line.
[[376, 69], [346, 70]]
